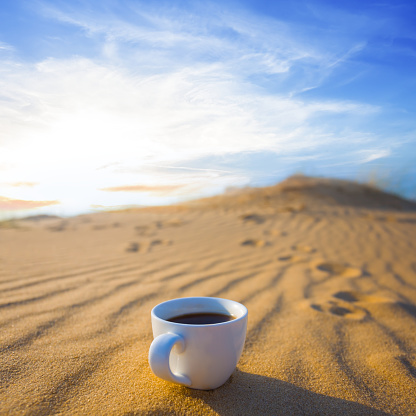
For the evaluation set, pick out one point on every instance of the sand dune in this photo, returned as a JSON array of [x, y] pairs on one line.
[[327, 270]]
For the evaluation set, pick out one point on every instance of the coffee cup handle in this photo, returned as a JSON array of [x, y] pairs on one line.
[[159, 354]]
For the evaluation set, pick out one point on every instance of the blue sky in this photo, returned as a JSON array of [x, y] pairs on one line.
[[113, 103]]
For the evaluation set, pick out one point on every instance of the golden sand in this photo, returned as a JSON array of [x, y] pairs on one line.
[[327, 270]]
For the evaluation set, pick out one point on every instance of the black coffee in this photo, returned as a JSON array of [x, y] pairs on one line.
[[201, 318]]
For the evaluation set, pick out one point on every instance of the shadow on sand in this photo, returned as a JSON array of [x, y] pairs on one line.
[[251, 394]]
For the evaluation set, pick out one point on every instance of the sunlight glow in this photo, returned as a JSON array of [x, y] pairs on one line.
[[119, 109]]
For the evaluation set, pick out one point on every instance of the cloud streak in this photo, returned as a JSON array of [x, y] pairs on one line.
[[157, 189], [19, 184], [9, 204]]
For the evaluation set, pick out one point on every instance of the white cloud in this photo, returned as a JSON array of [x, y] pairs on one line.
[[5, 47], [167, 90], [369, 155], [77, 111]]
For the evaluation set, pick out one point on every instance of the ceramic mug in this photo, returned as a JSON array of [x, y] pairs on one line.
[[201, 357]]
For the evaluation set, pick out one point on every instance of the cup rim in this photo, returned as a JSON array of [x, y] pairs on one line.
[[238, 304]]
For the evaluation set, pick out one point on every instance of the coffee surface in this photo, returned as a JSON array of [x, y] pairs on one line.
[[201, 318]]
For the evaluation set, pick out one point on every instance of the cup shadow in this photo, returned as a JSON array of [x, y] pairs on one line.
[[250, 394]]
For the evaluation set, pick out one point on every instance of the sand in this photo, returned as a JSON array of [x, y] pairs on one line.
[[327, 270]]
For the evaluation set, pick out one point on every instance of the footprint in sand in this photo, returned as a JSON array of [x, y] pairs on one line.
[[174, 222], [141, 229], [338, 269], [255, 218], [133, 247], [293, 258], [342, 306], [347, 296], [254, 243], [355, 305], [145, 230], [357, 297], [159, 243], [303, 248], [341, 309]]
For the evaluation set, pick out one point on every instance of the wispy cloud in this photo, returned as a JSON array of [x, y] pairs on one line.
[[163, 88], [207, 170], [5, 47], [368, 155], [157, 189], [9, 204], [19, 184], [78, 108]]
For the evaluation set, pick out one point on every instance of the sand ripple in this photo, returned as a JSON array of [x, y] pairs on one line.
[[331, 298]]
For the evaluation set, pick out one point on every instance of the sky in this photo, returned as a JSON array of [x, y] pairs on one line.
[[107, 104]]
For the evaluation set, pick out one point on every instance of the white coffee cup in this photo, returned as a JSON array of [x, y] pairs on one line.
[[198, 356]]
